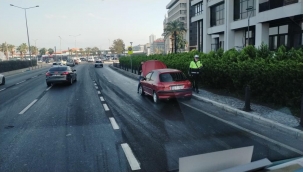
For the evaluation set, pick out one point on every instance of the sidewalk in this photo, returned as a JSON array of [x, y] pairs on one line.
[[280, 119], [15, 72]]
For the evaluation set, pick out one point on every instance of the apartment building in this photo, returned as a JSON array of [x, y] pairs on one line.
[[237, 23], [177, 10]]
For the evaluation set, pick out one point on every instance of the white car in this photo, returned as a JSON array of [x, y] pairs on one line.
[[90, 59], [2, 79]]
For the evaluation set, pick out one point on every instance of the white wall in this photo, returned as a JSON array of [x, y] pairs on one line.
[[239, 38]]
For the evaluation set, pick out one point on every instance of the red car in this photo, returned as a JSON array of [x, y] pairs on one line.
[[166, 84]]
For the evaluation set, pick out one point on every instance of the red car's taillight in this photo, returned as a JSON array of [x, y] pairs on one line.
[[48, 74], [65, 73]]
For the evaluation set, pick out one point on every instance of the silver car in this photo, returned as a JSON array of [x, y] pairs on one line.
[[61, 74]]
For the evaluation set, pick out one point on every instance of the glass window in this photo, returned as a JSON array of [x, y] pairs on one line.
[[154, 77], [58, 69], [217, 15], [148, 76], [171, 77], [240, 9]]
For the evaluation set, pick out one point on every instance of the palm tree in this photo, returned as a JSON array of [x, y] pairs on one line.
[[34, 50], [95, 50], [4, 49], [172, 29], [11, 49], [81, 51], [87, 51], [22, 49]]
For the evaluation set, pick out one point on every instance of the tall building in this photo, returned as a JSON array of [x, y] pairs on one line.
[[152, 38], [177, 10], [224, 23], [158, 46]]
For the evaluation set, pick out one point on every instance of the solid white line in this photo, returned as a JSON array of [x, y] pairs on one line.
[[102, 99], [105, 107], [49, 88], [96, 87], [3, 89], [27, 107], [247, 130], [114, 123], [133, 162], [99, 92]]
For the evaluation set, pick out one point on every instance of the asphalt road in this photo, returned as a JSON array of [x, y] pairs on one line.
[[100, 123]]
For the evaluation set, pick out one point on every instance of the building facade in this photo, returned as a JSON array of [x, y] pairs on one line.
[[152, 38], [177, 10], [158, 46], [230, 24]]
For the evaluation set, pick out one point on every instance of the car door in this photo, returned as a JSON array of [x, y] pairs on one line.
[[153, 82], [145, 83]]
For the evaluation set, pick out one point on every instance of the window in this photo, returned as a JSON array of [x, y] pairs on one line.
[[265, 5], [171, 77], [215, 45], [251, 37], [198, 9], [217, 15], [148, 76], [279, 36], [240, 9], [154, 77]]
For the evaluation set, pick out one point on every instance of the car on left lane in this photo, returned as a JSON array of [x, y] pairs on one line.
[[2, 79], [61, 74]]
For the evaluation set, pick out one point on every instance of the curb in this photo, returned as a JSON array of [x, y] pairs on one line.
[[298, 134], [272, 124]]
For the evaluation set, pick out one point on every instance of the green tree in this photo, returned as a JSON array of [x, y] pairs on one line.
[[88, 51], [95, 50], [4, 49], [117, 47], [22, 49], [181, 42], [50, 51], [34, 50], [173, 29], [11, 49], [81, 51], [42, 51]]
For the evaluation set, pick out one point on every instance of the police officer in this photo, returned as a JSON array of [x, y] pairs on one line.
[[140, 72], [194, 71]]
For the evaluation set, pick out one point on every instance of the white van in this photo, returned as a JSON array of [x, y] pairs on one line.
[[90, 59]]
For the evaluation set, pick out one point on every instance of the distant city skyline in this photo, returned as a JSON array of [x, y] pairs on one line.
[[98, 21]]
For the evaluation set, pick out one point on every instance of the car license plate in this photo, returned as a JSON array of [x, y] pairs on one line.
[[56, 75], [177, 87]]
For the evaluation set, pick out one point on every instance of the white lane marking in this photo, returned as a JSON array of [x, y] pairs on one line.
[[96, 87], [34, 77], [28, 106], [102, 99], [95, 84], [48, 88], [19, 82], [99, 92], [2, 89], [133, 162], [248, 131], [105, 107], [114, 123]]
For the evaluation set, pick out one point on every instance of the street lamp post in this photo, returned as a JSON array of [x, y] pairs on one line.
[[75, 41], [36, 49], [131, 60], [250, 8], [60, 47], [29, 49]]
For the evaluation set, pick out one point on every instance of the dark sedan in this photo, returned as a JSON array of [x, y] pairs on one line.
[[62, 74]]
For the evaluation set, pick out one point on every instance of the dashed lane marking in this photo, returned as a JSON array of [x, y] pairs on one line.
[[105, 107], [133, 162], [114, 123], [28, 106], [96, 87], [102, 99], [20, 82], [99, 92], [2, 89], [34, 77], [48, 88]]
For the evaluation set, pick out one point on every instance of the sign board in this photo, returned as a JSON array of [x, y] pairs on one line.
[[130, 50]]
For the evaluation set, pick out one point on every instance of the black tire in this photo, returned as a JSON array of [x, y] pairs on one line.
[[76, 78], [48, 84], [141, 91], [3, 81], [155, 97], [70, 81]]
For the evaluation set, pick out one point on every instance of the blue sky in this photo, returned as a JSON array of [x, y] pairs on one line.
[[98, 21]]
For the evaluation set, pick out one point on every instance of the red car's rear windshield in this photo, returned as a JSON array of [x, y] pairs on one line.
[[171, 77]]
